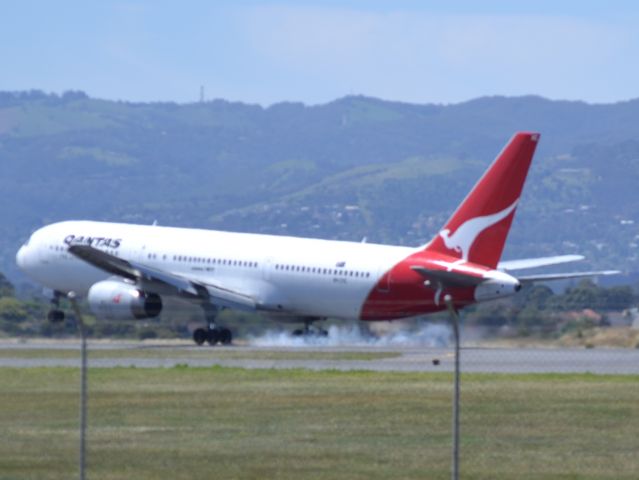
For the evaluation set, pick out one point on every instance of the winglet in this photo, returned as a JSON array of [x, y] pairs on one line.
[[477, 230]]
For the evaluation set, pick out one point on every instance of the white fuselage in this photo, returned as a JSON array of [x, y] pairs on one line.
[[308, 277]]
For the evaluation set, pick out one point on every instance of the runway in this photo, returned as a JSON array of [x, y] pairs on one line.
[[397, 358]]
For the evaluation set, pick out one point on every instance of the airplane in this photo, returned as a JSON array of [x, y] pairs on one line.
[[125, 271]]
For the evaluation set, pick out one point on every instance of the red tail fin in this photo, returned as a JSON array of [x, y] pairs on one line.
[[478, 229]]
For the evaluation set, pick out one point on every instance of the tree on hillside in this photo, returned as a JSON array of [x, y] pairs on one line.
[[617, 298], [6, 288], [586, 294], [12, 310], [534, 296]]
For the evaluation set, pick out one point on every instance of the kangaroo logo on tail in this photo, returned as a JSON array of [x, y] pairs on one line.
[[464, 237]]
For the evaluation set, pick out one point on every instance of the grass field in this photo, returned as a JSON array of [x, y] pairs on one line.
[[192, 423]]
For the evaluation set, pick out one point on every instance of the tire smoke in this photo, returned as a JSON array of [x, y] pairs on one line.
[[426, 335]]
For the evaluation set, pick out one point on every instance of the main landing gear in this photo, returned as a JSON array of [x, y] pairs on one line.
[[212, 333], [56, 315], [309, 330]]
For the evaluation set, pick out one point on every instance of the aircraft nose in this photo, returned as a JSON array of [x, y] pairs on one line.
[[21, 258]]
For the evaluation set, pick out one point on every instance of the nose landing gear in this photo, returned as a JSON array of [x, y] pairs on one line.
[[55, 314]]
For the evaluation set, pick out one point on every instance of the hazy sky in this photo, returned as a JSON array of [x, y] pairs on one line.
[[316, 51]]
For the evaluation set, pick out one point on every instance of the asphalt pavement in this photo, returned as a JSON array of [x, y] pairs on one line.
[[409, 358]]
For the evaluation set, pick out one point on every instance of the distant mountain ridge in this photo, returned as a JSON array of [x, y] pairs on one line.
[[350, 168]]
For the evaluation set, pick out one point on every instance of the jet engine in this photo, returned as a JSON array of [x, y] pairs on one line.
[[114, 300]]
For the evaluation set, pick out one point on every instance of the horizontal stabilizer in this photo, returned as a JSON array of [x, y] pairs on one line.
[[563, 276], [448, 279], [538, 262]]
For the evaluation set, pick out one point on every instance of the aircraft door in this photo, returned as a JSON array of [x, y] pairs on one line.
[[141, 252], [267, 268]]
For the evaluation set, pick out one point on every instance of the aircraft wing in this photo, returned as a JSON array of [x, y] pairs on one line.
[[563, 276], [538, 262], [162, 282]]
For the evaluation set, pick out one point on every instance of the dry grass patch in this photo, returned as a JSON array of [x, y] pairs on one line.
[[620, 337]]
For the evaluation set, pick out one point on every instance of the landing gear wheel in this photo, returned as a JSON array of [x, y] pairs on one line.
[[200, 336], [310, 332], [213, 336], [55, 316], [226, 337]]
